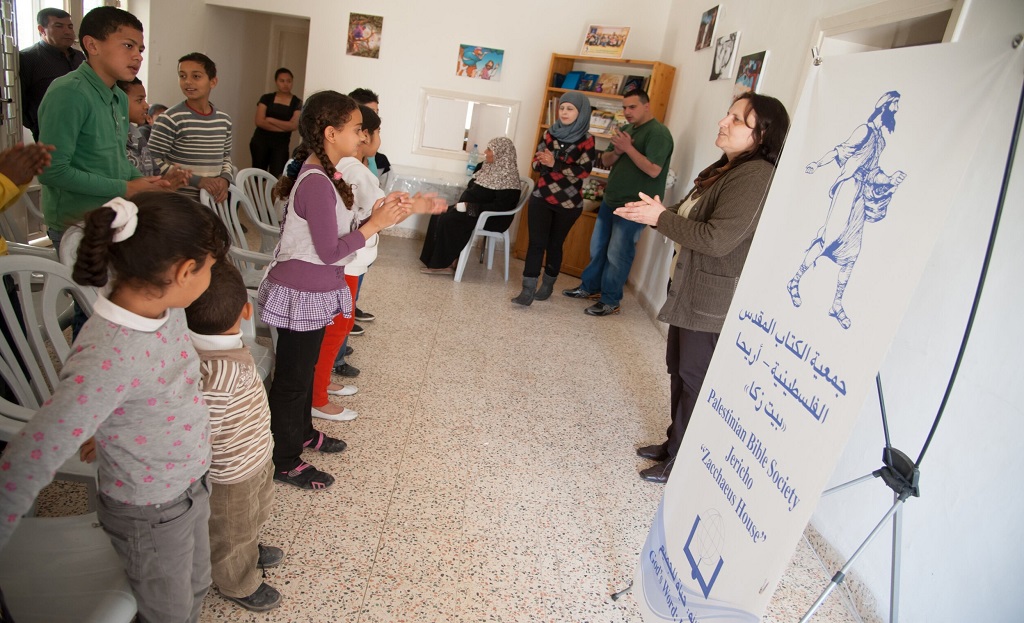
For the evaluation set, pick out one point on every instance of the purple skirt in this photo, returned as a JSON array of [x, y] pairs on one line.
[[297, 310]]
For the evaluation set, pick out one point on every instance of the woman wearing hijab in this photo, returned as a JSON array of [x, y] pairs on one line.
[[563, 160], [494, 188], [712, 227]]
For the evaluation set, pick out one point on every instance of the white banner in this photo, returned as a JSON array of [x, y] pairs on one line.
[[879, 145]]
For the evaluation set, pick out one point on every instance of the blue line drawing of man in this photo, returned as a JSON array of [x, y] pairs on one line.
[[861, 194]]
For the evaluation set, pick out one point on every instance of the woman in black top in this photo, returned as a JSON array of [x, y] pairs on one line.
[[277, 116], [494, 188]]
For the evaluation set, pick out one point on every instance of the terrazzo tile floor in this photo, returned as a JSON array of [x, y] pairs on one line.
[[491, 474]]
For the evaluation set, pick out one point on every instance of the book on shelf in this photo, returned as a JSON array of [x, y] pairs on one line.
[[557, 79], [552, 112], [588, 82], [619, 120], [572, 80], [600, 121], [631, 83], [609, 84]]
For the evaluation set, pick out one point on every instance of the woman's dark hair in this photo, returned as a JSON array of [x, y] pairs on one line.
[[371, 120], [171, 228], [770, 128], [104, 21], [322, 110], [283, 70]]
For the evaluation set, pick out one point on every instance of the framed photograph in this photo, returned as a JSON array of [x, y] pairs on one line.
[[725, 56], [748, 73], [706, 32], [475, 61], [605, 41], [364, 35]]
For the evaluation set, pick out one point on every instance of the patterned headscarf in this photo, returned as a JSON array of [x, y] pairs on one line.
[[503, 173]]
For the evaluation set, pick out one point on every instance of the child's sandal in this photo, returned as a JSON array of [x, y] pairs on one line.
[[305, 476]]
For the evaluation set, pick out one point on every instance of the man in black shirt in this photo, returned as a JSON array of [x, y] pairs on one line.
[[46, 61]]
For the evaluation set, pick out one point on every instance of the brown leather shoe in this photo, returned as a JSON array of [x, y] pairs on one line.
[[656, 452], [658, 473]]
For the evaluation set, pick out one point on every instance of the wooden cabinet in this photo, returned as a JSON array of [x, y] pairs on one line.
[[576, 251]]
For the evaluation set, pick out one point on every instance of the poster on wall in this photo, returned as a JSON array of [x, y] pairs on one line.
[[476, 61], [706, 32], [364, 32], [857, 203], [749, 73], [725, 56], [605, 41]]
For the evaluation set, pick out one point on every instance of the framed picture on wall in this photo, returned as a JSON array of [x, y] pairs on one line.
[[475, 61], [748, 73], [725, 56], [605, 41], [706, 32], [364, 33]]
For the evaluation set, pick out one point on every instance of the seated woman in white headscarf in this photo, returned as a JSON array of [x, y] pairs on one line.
[[494, 188]]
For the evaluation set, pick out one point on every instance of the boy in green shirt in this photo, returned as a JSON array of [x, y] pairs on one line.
[[85, 117]]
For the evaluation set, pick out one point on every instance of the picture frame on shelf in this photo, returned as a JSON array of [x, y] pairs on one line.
[[724, 60], [706, 32], [604, 41], [749, 73]]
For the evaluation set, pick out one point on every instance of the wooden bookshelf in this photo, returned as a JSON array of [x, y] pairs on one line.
[[576, 251]]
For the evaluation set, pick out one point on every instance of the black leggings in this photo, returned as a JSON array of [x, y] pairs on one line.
[[549, 225], [291, 394]]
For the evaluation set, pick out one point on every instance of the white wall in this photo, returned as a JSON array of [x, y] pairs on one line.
[[419, 48], [959, 561]]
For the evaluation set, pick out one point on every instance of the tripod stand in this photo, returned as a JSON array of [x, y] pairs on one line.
[[898, 472]]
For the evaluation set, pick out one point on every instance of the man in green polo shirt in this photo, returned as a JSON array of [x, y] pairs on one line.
[[85, 117], [638, 156]]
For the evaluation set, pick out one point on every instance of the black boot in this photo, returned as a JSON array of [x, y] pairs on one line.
[[526, 296], [547, 284]]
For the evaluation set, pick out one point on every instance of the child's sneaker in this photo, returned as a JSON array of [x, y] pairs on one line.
[[305, 476], [265, 598], [322, 443]]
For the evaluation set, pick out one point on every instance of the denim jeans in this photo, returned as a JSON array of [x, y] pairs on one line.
[[612, 249]]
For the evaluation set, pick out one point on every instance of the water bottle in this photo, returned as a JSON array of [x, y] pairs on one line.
[[474, 159]]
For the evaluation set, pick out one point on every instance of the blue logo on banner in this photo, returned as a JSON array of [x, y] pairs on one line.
[[707, 548]]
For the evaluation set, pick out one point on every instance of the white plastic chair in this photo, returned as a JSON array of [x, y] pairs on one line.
[[526, 186], [258, 185], [25, 363], [64, 570], [250, 263]]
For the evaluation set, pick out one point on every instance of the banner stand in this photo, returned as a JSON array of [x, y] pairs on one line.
[[898, 471]]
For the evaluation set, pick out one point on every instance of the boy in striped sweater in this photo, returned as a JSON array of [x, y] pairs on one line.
[[242, 470], [194, 134]]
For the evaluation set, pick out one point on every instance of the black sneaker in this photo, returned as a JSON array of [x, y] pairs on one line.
[[265, 598], [322, 443], [579, 293], [362, 316], [356, 330], [601, 309], [270, 556], [349, 350], [346, 370], [305, 476]]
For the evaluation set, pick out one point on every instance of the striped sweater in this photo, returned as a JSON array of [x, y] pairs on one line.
[[194, 141], [239, 413]]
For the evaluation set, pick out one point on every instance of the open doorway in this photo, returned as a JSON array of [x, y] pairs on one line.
[[271, 41]]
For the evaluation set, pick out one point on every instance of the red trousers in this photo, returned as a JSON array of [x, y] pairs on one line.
[[334, 337]]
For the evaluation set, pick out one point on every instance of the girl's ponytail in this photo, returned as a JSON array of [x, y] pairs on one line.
[[291, 172], [92, 266]]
